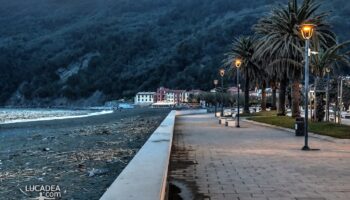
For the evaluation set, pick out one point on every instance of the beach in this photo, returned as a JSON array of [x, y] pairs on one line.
[[83, 156]]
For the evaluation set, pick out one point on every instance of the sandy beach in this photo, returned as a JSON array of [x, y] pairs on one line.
[[82, 155]]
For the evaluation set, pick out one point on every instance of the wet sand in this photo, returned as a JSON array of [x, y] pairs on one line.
[[83, 155]]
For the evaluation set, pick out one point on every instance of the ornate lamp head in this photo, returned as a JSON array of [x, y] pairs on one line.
[[307, 30], [222, 72], [238, 62]]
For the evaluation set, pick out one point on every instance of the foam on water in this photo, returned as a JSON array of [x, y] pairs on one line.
[[10, 116]]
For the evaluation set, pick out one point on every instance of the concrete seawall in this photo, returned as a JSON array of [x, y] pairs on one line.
[[146, 175]]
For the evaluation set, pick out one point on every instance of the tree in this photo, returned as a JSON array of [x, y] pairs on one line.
[[280, 39], [274, 94], [244, 48], [330, 59]]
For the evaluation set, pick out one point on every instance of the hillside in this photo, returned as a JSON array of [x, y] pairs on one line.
[[73, 52]]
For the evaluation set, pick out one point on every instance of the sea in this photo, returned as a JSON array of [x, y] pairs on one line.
[[17, 115]]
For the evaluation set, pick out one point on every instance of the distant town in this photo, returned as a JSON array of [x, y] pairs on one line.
[[165, 97]]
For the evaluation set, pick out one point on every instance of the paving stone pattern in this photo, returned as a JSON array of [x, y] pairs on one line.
[[255, 162]]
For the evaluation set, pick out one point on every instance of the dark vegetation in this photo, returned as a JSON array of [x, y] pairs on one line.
[[323, 128], [140, 45], [274, 55]]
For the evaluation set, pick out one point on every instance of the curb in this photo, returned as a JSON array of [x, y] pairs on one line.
[[314, 135], [147, 172]]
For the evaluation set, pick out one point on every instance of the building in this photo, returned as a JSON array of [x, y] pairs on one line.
[[145, 98], [190, 93], [166, 95], [195, 92], [175, 96], [161, 94], [233, 90]]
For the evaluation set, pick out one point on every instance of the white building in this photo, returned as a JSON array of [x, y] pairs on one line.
[[170, 97], [186, 96], [145, 98]]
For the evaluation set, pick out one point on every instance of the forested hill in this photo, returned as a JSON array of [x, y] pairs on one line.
[[61, 51]]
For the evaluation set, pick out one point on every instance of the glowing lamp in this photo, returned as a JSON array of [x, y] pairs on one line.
[[216, 82], [307, 30], [222, 72], [238, 62]]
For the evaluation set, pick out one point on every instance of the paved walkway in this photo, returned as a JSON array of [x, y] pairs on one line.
[[211, 161]]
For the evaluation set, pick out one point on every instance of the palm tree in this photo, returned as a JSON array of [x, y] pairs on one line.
[[244, 47], [280, 39], [331, 58], [276, 75], [262, 77], [273, 85]]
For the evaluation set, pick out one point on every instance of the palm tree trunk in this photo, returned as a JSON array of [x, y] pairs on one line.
[[281, 110], [319, 103], [320, 108], [246, 93], [295, 98], [263, 96], [274, 97]]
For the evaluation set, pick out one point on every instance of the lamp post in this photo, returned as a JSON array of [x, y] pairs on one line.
[[215, 83], [238, 63], [307, 31], [222, 73], [337, 110], [340, 99], [327, 95]]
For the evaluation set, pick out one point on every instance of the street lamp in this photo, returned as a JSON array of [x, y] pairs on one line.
[[307, 31], [340, 99], [215, 83], [238, 63], [327, 95], [222, 73]]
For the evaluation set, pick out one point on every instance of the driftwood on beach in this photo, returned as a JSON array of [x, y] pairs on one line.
[[80, 155]]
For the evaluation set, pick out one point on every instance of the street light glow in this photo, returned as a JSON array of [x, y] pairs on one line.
[[222, 72], [238, 62], [307, 30]]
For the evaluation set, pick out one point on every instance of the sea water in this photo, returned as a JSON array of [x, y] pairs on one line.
[[15, 115]]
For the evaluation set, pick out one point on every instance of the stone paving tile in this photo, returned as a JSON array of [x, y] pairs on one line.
[[256, 162]]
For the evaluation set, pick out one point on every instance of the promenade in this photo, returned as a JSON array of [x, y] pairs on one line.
[[211, 161]]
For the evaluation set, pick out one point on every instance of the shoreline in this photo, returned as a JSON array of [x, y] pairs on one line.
[[81, 155], [103, 112]]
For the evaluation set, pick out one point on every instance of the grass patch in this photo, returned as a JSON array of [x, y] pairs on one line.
[[259, 114], [321, 128]]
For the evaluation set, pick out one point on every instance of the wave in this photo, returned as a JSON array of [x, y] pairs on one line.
[[22, 116]]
